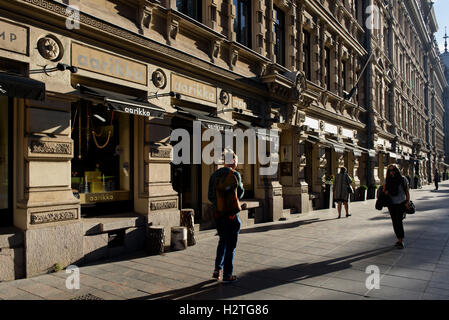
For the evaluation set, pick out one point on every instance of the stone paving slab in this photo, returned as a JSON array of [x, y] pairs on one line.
[[310, 256]]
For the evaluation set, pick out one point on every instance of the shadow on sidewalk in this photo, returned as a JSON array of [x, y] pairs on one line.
[[265, 279], [293, 224]]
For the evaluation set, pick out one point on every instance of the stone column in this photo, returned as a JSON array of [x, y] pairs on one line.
[[46, 209], [154, 196]]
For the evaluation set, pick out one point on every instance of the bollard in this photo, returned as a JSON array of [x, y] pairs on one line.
[[155, 240], [188, 221], [178, 238]]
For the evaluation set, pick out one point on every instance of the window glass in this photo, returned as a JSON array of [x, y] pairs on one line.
[[306, 49], [242, 21], [192, 8], [4, 154], [279, 34], [101, 172]]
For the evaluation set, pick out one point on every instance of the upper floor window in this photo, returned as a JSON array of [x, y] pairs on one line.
[[242, 21], [344, 75], [306, 52], [192, 8], [327, 65], [279, 35]]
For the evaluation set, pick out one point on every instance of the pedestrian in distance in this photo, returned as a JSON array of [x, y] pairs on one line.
[[396, 187], [225, 190], [436, 178], [342, 190]]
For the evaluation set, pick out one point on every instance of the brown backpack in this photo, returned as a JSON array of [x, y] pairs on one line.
[[228, 203]]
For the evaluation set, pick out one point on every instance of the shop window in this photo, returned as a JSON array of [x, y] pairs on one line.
[[191, 8], [101, 166], [279, 35], [242, 22], [5, 157]]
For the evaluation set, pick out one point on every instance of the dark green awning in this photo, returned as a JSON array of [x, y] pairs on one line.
[[21, 87], [124, 103], [207, 120]]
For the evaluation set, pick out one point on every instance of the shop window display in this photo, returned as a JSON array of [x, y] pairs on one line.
[[101, 173]]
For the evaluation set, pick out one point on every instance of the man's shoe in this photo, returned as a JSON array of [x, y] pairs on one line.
[[399, 245], [216, 274], [230, 279]]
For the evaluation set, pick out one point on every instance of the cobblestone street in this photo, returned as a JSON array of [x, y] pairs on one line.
[[312, 256]]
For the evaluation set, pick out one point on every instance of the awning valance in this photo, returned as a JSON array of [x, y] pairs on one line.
[[207, 120], [262, 133], [124, 103], [21, 87]]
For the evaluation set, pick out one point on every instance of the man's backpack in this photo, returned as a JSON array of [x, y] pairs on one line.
[[228, 203]]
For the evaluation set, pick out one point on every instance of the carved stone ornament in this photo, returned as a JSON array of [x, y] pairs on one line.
[[300, 83], [322, 125], [340, 130], [161, 205], [50, 48], [47, 147], [48, 217], [224, 97], [159, 79]]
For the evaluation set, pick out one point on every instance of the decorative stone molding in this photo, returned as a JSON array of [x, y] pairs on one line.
[[50, 48], [159, 78], [224, 97], [162, 205], [157, 152], [48, 147], [144, 14], [53, 216], [215, 49]]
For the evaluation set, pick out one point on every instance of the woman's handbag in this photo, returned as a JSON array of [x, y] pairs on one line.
[[412, 208]]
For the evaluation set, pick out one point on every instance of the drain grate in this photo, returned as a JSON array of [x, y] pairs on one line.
[[87, 297]]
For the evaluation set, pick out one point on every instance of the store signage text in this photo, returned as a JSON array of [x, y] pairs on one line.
[[193, 89], [111, 65], [94, 197], [238, 103], [13, 38]]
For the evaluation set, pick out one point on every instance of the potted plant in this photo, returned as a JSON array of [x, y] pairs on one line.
[[363, 189], [372, 191]]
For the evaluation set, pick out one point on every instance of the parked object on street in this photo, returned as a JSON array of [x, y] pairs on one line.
[[397, 189], [178, 239], [188, 221], [155, 240], [342, 189], [227, 218]]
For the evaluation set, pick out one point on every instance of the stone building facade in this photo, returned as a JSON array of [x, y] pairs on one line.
[[92, 92]]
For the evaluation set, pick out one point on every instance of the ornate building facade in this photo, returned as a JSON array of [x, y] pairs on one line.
[[93, 90]]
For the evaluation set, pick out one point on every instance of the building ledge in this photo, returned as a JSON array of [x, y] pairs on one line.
[[101, 224], [11, 237]]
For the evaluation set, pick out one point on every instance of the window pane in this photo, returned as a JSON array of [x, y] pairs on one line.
[[101, 163], [4, 155]]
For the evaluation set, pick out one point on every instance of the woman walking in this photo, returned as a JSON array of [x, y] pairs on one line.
[[341, 191], [396, 187]]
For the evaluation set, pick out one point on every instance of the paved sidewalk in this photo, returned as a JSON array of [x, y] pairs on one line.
[[312, 256]]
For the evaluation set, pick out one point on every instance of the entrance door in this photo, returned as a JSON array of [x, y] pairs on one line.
[[5, 162]]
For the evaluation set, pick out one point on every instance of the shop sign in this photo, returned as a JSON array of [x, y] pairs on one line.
[[194, 89], [238, 103], [13, 37], [98, 197], [108, 64]]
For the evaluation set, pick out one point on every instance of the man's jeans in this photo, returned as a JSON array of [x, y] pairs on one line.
[[228, 231]]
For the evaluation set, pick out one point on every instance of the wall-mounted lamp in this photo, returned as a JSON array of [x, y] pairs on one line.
[[159, 95], [59, 67]]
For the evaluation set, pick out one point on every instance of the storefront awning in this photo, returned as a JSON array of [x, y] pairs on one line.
[[262, 133], [207, 120], [21, 87], [124, 103]]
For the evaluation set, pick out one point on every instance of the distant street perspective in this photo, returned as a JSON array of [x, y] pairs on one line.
[[313, 256], [222, 150]]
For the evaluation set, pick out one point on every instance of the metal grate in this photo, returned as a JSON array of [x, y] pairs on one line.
[[87, 297]]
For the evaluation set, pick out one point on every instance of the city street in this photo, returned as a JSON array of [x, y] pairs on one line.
[[312, 256]]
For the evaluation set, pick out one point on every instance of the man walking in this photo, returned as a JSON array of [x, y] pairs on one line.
[[225, 190], [436, 178]]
